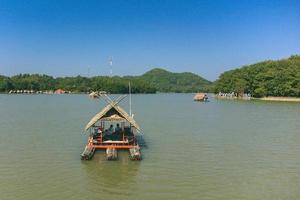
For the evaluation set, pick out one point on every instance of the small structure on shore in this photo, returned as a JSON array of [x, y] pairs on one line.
[[201, 97], [21, 92], [59, 91], [112, 129], [233, 95]]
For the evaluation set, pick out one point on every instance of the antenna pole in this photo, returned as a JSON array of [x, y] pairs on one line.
[[110, 64]]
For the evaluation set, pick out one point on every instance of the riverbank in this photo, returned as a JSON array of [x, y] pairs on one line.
[[285, 99], [270, 98], [232, 97]]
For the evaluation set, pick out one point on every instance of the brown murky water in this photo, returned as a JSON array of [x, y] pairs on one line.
[[216, 150]]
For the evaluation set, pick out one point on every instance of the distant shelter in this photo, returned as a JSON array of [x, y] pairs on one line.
[[201, 97]]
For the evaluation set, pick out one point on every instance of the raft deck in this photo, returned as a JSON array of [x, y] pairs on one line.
[[111, 149]]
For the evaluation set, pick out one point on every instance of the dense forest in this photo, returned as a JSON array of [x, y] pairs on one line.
[[76, 84], [268, 78], [156, 80]]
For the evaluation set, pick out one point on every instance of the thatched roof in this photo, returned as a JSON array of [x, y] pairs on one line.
[[112, 112], [200, 96], [93, 95]]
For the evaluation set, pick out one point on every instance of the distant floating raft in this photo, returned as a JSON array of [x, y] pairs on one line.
[[135, 153], [88, 153], [201, 97], [94, 95], [111, 154]]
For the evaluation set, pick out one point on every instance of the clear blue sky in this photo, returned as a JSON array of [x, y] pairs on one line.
[[63, 38]]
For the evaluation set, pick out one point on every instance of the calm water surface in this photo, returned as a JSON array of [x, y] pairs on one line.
[[216, 150]]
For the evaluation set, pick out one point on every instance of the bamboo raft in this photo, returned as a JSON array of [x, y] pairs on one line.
[[124, 136], [88, 153]]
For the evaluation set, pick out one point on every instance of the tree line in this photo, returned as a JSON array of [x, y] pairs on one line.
[[39, 82], [268, 78], [156, 80]]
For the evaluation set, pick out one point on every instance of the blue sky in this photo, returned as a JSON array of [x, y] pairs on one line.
[[65, 38]]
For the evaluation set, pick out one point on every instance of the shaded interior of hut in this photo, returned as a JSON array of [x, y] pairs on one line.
[[112, 131]]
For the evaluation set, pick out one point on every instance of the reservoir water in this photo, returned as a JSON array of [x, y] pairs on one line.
[[221, 149]]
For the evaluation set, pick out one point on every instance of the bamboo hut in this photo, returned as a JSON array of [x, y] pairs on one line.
[[201, 97], [111, 129]]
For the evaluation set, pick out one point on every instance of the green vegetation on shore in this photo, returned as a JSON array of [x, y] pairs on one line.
[[75, 84], [268, 78], [156, 80]]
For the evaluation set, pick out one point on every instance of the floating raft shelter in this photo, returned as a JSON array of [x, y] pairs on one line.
[[201, 97], [112, 129], [94, 95]]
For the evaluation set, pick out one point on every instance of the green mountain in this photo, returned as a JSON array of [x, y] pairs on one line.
[[165, 81], [268, 78]]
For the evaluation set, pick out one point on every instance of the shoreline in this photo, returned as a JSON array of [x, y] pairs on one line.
[[278, 99], [283, 99], [231, 97]]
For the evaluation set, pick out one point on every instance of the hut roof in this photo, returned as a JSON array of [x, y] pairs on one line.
[[93, 95], [112, 112], [199, 96]]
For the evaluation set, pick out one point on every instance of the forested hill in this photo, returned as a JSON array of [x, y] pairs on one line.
[[165, 81], [268, 78], [151, 82]]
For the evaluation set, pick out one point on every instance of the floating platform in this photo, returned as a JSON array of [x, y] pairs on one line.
[[201, 97], [112, 129], [111, 152]]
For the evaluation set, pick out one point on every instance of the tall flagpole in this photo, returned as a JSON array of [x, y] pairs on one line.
[[110, 64]]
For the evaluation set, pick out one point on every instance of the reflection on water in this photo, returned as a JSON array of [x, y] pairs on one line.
[[111, 173], [215, 150], [116, 178]]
